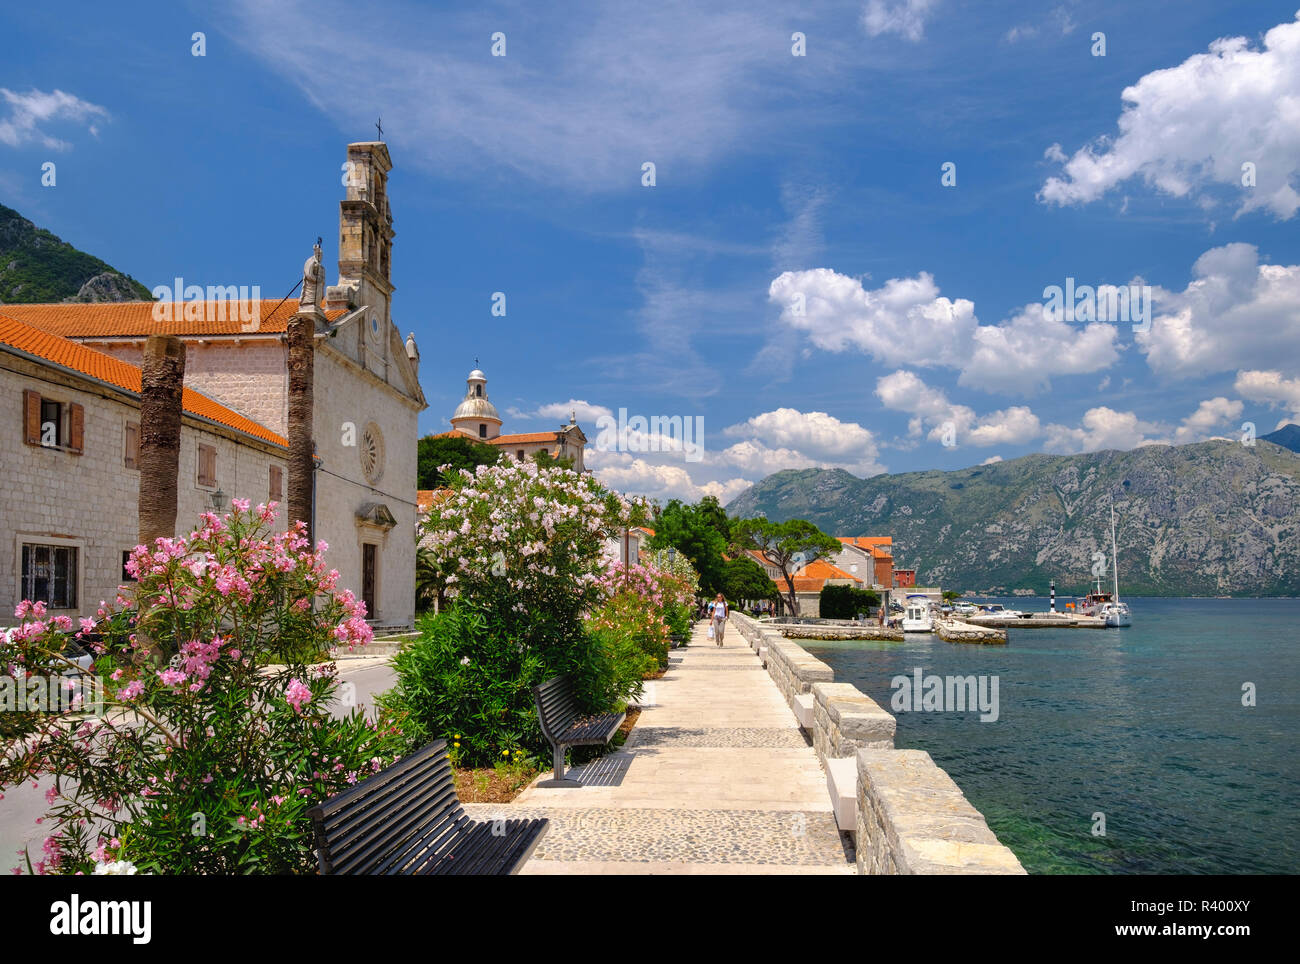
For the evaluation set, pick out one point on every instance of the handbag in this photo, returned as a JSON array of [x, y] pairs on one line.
[[710, 630]]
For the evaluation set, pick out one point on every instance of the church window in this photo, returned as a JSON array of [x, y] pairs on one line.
[[50, 575], [482, 430], [371, 451], [478, 390]]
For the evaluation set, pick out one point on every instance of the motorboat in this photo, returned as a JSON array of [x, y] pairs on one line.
[[917, 617]]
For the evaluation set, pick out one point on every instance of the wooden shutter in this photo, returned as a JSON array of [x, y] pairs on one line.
[[277, 483], [131, 458], [31, 417], [76, 429], [207, 465]]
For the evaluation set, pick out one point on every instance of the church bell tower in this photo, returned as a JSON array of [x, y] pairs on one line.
[[365, 235]]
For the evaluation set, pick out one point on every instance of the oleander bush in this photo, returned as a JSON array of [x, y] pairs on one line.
[[208, 759], [519, 549]]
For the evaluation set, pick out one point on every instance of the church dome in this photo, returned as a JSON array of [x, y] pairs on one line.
[[479, 408]]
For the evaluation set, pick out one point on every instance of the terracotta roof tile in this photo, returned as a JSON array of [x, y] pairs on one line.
[[124, 319], [106, 368], [525, 438]]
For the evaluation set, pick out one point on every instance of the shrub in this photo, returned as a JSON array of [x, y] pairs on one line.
[[845, 602], [518, 548], [208, 762]]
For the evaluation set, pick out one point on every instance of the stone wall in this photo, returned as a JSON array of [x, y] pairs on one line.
[[249, 375], [846, 720], [911, 818]]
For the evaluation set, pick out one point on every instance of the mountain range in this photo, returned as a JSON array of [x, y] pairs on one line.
[[39, 267], [1208, 518]]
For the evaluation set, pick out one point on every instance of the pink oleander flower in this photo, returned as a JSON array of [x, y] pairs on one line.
[[297, 694], [133, 690]]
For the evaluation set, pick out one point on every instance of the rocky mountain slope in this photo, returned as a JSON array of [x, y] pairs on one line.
[[1211, 518], [37, 266]]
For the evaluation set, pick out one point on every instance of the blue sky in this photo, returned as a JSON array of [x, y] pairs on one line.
[[798, 275]]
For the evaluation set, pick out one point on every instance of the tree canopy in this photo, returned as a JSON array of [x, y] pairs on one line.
[[455, 450], [782, 544], [702, 533]]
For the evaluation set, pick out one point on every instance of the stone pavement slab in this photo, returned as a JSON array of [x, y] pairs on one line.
[[716, 777]]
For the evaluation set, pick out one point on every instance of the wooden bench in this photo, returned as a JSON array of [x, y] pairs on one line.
[[407, 819], [564, 724]]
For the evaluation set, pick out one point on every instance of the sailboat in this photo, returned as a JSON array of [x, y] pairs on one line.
[[1107, 605]]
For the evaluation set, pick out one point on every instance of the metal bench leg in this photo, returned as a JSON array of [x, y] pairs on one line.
[[559, 780]]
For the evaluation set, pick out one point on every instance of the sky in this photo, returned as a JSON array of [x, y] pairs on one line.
[[819, 234]]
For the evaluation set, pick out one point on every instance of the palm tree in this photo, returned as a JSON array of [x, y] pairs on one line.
[[162, 378], [302, 378]]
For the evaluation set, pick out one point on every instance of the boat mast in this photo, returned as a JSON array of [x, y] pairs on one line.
[[1114, 555]]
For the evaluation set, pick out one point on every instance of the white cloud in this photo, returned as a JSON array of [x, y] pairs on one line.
[[29, 112], [1186, 128], [904, 391], [1235, 313], [577, 102], [1271, 388], [907, 18], [584, 410], [1211, 415], [786, 438], [1102, 428], [991, 460], [638, 476], [892, 323]]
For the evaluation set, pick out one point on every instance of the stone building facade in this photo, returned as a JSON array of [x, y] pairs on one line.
[[68, 500], [367, 393]]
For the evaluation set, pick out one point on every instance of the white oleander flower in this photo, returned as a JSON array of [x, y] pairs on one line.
[[116, 868]]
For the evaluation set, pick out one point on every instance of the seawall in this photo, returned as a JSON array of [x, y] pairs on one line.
[[906, 814]]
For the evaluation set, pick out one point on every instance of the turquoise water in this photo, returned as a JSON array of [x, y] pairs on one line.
[[1145, 725]]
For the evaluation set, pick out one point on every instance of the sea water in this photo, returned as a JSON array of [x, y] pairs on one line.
[[1120, 750]]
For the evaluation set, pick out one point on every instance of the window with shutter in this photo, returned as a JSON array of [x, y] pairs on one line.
[[32, 417], [131, 457], [277, 483], [207, 465]]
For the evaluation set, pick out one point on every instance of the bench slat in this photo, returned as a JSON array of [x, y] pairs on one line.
[[407, 819]]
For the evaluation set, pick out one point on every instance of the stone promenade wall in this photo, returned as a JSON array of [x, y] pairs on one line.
[[911, 817]]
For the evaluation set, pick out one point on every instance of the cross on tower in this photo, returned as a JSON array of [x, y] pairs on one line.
[[379, 128]]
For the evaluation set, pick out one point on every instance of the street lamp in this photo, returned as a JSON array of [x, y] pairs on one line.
[[218, 500]]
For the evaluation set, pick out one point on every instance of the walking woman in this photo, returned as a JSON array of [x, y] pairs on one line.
[[719, 618]]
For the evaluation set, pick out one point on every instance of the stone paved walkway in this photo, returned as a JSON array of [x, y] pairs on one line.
[[716, 777]]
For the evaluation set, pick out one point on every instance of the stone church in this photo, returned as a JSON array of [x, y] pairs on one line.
[[70, 381]]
